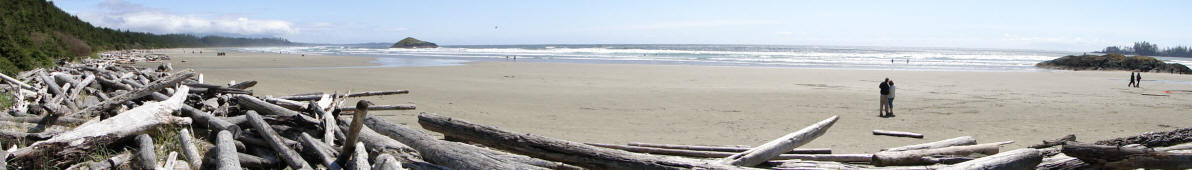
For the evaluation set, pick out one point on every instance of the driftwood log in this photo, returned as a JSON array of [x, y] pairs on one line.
[[897, 133], [135, 94], [381, 107], [771, 149], [1128, 157], [146, 157], [189, 151], [312, 147], [380, 144], [1015, 159], [727, 148], [1056, 142], [958, 141], [271, 109], [574, 153], [717, 154], [286, 153], [1153, 139], [386, 162], [915, 157], [64, 148], [449, 154]]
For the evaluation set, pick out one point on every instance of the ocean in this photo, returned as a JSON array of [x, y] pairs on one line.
[[828, 57]]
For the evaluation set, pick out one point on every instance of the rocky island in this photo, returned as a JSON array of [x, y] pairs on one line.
[[410, 42], [1114, 62]]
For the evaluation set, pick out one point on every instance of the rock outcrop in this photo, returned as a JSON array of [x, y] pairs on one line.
[[410, 42], [1115, 62]]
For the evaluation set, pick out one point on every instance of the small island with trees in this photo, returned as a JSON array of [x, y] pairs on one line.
[[410, 42], [1131, 58]]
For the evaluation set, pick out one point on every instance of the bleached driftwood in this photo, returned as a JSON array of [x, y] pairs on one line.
[[897, 133], [717, 154], [354, 130], [727, 148], [384, 145], [312, 147], [11, 80], [189, 151], [449, 154], [171, 159], [359, 158], [1128, 157], [135, 94], [958, 141], [146, 159], [1026, 158], [65, 148], [1060, 141], [386, 162], [308, 97], [574, 153], [915, 157], [381, 107], [776, 147], [271, 109], [287, 154], [1061, 162]]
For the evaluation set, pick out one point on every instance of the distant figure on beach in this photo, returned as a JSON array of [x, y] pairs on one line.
[[1131, 80], [890, 100], [1138, 80], [882, 102]]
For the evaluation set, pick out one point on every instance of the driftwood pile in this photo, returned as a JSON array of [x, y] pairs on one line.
[[61, 117]]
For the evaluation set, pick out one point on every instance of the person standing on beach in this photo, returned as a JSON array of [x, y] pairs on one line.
[[1137, 80], [885, 90], [1131, 80], [890, 99]]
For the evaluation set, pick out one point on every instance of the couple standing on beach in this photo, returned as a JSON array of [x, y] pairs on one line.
[[887, 99]]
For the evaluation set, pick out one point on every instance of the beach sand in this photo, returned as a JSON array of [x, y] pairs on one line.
[[618, 103]]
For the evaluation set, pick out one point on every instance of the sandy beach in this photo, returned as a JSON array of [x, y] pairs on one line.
[[619, 103]]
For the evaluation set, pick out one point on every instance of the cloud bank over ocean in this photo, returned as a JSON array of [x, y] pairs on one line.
[[123, 15]]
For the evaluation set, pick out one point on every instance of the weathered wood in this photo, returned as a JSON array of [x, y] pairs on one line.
[[113, 84], [288, 104], [450, 154], [386, 162], [915, 157], [1061, 162], [381, 107], [64, 149], [252, 161], [287, 154], [1128, 157], [574, 153], [189, 151], [61, 121], [727, 148], [717, 154], [897, 133], [958, 141], [1026, 158], [112, 163], [776, 147], [354, 130], [311, 147], [243, 85], [1185, 146], [53, 86], [359, 158], [308, 97], [1056, 142], [206, 120], [11, 80], [329, 123], [283, 114], [1153, 139], [381, 144], [170, 160], [146, 159], [134, 94]]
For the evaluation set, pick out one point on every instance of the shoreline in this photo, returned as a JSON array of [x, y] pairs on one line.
[[676, 104]]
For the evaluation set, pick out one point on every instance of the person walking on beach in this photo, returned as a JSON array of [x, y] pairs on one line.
[[1131, 80], [885, 90], [890, 99], [1137, 80]]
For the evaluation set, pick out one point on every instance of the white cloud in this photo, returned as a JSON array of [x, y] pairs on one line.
[[118, 14]]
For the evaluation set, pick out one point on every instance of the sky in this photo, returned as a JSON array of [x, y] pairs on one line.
[[1063, 25]]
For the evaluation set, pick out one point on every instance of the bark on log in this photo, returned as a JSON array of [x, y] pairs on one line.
[[377, 93], [354, 130], [578, 154], [311, 147], [288, 104], [135, 94], [765, 152], [61, 121], [1060, 141], [1026, 158], [64, 149], [1186, 146], [386, 162], [450, 154], [897, 133], [958, 141], [189, 151], [1153, 139], [1128, 158], [717, 154], [727, 148], [284, 114], [288, 155], [1061, 162], [915, 157], [252, 161], [380, 107], [146, 159]]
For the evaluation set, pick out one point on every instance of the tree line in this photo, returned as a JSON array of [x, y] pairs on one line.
[[35, 34], [1147, 49]]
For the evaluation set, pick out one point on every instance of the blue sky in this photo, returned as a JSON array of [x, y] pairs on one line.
[[1046, 25]]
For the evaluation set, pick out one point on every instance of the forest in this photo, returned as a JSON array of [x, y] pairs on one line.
[[1147, 49], [35, 34]]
